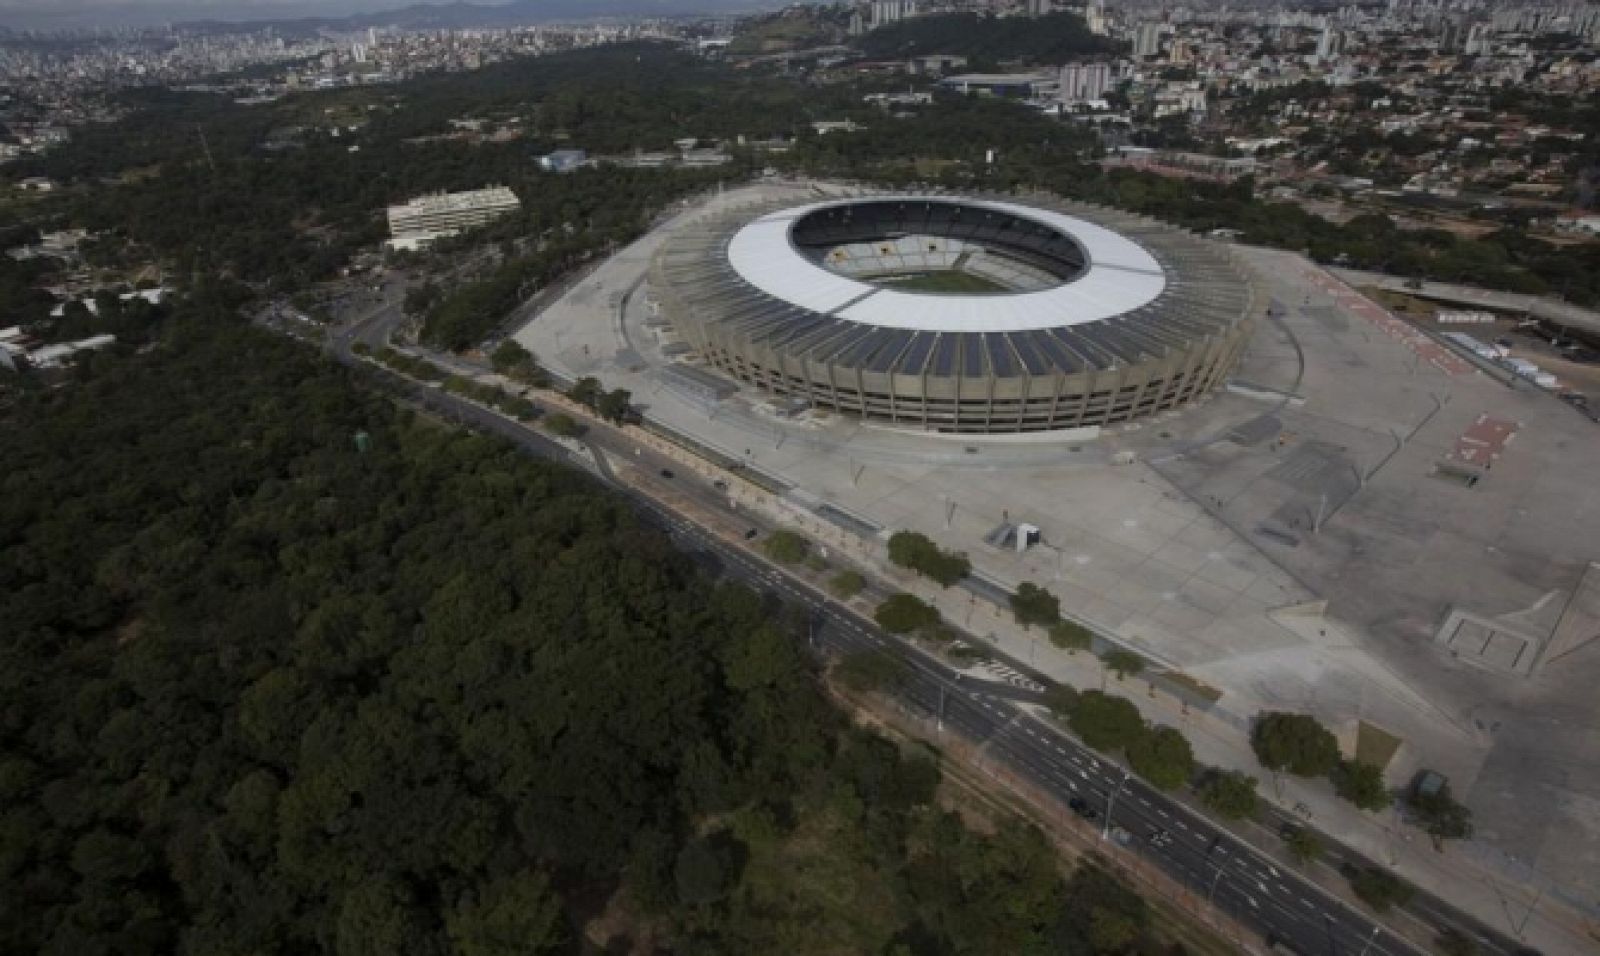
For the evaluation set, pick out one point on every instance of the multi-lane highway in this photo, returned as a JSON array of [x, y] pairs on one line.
[[1215, 867]]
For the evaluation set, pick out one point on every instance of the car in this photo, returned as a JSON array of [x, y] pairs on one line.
[[1081, 807], [720, 485], [751, 534], [1123, 837], [666, 473]]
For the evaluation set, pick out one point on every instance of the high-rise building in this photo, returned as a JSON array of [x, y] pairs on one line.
[[1146, 40], [1480, 41], [885, 12], [1095, 16], [1081, 82], [1330, 44]]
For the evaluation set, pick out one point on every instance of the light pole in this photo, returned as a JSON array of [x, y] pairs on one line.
[[1111, 803], [1216, 877], [939, 723]]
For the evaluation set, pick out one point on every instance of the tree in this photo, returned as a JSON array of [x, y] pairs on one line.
[[1303, 845], [847, 584], [1034, 605], [786, 546], [905, 613], [586, 391], [1294, 742], [910, 549], [867, 671], [1441, 816], [1361, 784], [1061, 699], [1071, 636], [1106, 723], [614, 405], [1379, 889], [706, 869], [1122, 663], [1163, 757], [508, 916], [564, 425], [1230, 794]]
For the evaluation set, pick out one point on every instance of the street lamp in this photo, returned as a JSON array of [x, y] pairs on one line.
[[1370, 939], [1111, 804]]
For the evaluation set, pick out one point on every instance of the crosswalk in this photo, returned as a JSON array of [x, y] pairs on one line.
[[1004, 672]]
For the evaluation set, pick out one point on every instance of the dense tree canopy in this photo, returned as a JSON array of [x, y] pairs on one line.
[[1055, 38], [266, 689]]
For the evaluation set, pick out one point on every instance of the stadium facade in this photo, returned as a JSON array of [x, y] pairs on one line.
[[960, 315]]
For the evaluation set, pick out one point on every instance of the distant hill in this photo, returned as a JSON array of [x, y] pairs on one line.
[[1053, 39], [795, 28]]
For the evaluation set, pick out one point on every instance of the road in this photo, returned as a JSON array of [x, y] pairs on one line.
[[1218, 868], [1552, 310]]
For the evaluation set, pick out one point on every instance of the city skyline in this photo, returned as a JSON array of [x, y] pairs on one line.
[[118, 14]]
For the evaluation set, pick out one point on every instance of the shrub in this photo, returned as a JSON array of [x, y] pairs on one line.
[[1070, 636], [1379, 889], [563, 425], [786, 547], [1230, 794], [1163, 757], [847, 584], [1303, 845]]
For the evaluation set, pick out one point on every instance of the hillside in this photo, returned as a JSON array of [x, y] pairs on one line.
[[1054, 39]]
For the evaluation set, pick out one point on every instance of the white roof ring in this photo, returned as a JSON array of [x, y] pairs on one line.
[[1120, 276]]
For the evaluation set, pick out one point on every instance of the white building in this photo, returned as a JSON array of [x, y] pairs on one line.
[[1081, 82], [427, 218], [1146, 40], [1330, 44], [885, 12]]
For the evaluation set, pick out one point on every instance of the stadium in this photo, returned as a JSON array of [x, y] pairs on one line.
[[961, 315]]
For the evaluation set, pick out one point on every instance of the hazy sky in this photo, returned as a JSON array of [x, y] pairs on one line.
[[47, 14]]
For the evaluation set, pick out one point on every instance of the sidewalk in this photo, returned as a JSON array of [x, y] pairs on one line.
[[1220, 739]]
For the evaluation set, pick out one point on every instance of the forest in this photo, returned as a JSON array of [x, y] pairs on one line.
[[987, 40], [191, 178], [289, 668]]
